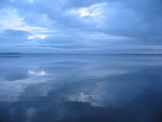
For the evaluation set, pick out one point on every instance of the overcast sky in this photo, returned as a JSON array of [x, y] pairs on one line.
[[81, 26]]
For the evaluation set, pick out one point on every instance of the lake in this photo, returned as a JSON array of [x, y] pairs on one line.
[[81, 88]]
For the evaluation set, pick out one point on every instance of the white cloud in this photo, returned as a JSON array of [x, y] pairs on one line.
[[41, 36], [9, 19], [91, 11]]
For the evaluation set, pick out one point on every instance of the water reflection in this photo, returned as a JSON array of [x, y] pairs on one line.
[[81, 88], [41, 73]]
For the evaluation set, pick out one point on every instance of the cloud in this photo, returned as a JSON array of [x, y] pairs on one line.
[[100, 23], [92, 11], [41, 36], [10, 19]]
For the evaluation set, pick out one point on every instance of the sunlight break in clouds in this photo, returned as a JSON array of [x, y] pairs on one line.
[[91, 11], [41, 36]]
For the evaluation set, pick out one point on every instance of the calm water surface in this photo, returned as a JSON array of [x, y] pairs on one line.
[[81, 88]]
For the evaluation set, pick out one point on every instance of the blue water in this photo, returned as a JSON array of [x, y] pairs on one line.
[[81, 88]]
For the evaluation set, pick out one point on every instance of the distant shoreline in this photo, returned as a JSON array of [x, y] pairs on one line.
[[11, 53], [23, 54]]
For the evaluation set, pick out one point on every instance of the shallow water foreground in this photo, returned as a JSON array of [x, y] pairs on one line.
[[81, 88]]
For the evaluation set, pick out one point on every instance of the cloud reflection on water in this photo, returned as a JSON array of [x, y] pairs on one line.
[[33, 73], [96, 81]]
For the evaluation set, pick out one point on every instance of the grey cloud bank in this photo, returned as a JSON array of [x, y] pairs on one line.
[[72, 26]]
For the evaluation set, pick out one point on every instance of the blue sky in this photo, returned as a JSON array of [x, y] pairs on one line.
[[81, 26]]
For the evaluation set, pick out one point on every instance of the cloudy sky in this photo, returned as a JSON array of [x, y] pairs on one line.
[[81, 26]]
